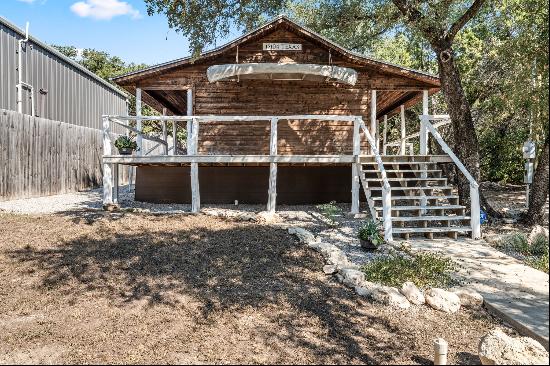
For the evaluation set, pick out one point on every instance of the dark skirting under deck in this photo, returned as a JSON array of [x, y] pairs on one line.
[[247, 184]]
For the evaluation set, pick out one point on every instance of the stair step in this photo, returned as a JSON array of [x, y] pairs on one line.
[[414, 208], [430, 218], [412, 230], [407, 179], [416, 197], [410, 171], [399, 163], [410, 188]]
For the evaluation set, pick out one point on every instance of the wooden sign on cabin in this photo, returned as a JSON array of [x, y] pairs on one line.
[[282, 47]]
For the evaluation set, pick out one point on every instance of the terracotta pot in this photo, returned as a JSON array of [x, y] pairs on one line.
[[368, 245], [126, 151]]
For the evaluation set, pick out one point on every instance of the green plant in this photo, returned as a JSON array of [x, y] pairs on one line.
[[540, 262], [516, 242], [370, 232], [125, 142], [423, 269], [539, 246], [330, 211]]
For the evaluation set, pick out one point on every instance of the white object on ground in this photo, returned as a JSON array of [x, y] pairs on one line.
[[537, 231], [442, 300], [390, 296], [441, 347], [498, 348], [412, 293], [469, 298]]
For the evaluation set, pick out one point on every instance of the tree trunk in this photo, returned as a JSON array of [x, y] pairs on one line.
[[465, 142], [539, 190]]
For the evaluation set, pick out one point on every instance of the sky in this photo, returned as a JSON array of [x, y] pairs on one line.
[[120, 27]]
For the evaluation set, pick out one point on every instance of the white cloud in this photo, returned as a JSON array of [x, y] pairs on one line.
[[104, 9]]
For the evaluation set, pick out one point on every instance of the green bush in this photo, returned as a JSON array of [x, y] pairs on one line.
[[516, 242], [423, 269], [540, 263], [125, 142], [370, 232], [539, 246], [330, 211]]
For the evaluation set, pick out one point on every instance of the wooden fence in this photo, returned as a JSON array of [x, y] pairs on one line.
[[40, 157]]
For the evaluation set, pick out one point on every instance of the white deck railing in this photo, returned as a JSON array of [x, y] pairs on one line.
[[426, 129], [193, 125]]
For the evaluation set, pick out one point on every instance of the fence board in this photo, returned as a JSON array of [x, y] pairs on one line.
[[40, 157]]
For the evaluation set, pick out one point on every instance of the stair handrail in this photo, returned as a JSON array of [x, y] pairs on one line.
[[386, 188], [474, 186]]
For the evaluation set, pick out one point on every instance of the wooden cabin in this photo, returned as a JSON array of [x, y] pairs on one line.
[[280, 114]]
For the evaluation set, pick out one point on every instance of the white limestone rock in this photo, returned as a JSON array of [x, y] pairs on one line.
[[330, 269], [412, 293], [351, 277], [498, 348], [366, 288], [442, 300], [469, 298], [303, 235], [536, 232], [390, 296], [268, 217]]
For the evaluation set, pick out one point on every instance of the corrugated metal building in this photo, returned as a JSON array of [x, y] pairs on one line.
[[63, 90]]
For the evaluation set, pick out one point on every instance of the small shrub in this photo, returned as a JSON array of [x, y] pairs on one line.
[[370, 232], [540, 263], [330, 211], [539, 246], [516, 242], [423, 269]]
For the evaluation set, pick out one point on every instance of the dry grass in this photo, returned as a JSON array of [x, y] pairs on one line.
[[93, 287]]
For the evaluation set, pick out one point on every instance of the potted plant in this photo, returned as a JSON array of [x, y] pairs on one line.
[[125, 145], [369, 235]]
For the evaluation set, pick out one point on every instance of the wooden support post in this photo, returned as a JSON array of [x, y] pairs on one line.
[[373, 114], [139, 138], [272, 193], [189, 113], [423, 121], [115, 183], [193, 150], [107, 173], [385, 136], [174, 137], [403, 131], [387, 216], [164, 132], [355, 168]]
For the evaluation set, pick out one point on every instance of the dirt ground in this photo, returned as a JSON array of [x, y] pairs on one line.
[[94, 287]]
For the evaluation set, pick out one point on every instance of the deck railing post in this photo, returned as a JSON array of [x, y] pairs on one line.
[[139, 123], [272, 194], [423, 128], [385, 136], [403, 130], [193, 150], [107, 173], [115, 183], [164, 132], [373, 115], [355, 171]]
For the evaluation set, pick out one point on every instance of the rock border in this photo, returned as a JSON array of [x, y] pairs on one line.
[[349, 274]]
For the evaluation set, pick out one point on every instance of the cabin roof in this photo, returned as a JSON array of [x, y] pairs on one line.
[[430, 80]]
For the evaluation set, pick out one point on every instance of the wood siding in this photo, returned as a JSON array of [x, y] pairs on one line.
[[277, 97]]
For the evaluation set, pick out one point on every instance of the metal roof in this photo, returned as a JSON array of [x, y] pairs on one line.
[[63, 57]]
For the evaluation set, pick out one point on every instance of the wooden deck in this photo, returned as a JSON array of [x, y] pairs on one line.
[[175, 160]]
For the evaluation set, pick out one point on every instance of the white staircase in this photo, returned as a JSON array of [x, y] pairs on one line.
[[422, 200]]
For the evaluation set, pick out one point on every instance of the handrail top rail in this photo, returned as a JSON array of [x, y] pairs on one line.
[[435, 117], [376, 153], [451, 154], [220, 118]]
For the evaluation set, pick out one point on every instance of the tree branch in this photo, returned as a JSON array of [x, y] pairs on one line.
[[465, 18], [419, 21]]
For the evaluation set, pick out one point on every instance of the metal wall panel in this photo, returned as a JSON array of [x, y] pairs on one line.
[[74, 95]]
